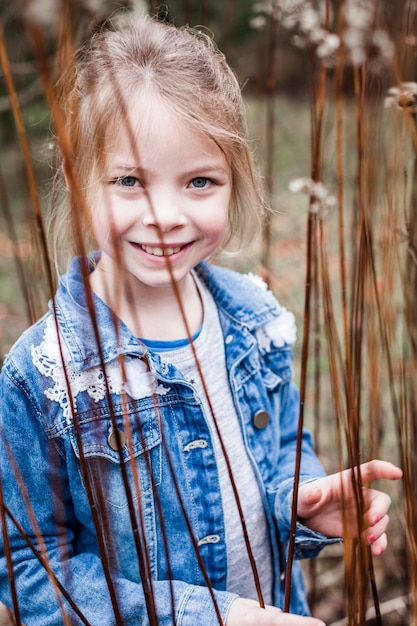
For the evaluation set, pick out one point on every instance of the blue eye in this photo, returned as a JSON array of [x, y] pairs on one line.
[[200, 182], [127, 181]]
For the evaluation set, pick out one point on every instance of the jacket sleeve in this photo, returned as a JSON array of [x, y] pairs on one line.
[[307, 542], [38, 508], [274, 340]]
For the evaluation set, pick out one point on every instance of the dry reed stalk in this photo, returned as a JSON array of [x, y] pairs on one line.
[[402, 97], [99, 522], [87, 472], [355, 576], [39, 49], [406, 387], [369, 326], [229, 13], [204, 17], [364, 327], [270, 137], [317, 121], [34, 196], [182, 309], [37, 210]]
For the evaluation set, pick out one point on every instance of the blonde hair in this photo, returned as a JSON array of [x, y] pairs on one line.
[[184, 69]]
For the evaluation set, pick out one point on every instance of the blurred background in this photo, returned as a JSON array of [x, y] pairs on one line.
[[331, 102]]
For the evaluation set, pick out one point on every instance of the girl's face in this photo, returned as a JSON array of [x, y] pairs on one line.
[[164, 197]]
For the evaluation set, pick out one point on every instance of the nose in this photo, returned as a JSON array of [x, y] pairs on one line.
[[164, 211]]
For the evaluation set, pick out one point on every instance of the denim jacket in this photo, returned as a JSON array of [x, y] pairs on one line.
[[120, 473]]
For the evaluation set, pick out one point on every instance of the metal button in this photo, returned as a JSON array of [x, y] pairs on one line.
[[115, 435], [261, 419]]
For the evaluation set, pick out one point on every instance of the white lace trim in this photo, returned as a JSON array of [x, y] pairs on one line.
[[258, 280], [138, 382], [280, 331]]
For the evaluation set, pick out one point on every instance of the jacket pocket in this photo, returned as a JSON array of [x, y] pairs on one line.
[[128, 470]]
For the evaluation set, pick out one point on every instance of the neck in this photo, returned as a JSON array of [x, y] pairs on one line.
[[157, 313]]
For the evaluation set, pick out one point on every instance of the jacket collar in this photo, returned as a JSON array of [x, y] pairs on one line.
[[239, 295], [85, 323]]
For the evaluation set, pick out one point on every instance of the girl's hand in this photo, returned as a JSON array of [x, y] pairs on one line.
[[245, 612], [6, 618], [321, 502]]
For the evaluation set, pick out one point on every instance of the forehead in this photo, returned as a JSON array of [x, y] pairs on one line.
[[150, 131]]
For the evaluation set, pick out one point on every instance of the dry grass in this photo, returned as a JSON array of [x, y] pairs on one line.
[[361, 370]]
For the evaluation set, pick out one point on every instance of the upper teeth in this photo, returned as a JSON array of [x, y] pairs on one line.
[[161, 251]]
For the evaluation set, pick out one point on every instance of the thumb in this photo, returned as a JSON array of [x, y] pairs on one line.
[[309, 495]]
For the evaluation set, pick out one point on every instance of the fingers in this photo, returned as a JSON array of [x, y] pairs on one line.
[[310, 496], [285, 619], [376, 535], [244, 612], [6, 618], [380, 545], [377, 504], [372, 470]]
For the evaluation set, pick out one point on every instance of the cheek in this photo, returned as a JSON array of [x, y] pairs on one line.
[[108, 220], [215, 224], [218, 217], [102, 232], [100, 222]]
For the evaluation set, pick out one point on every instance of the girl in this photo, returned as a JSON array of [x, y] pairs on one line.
[[149, 419]]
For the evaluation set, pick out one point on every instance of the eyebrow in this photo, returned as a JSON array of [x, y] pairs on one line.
[[198, 169], [207, 169]]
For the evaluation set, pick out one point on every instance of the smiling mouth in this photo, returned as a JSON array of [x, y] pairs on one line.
[[158, 251]]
